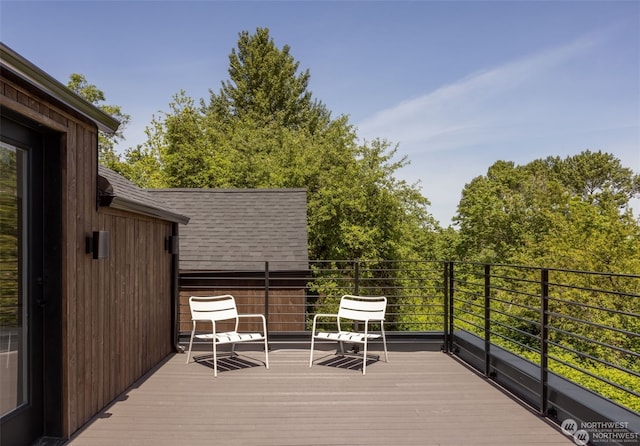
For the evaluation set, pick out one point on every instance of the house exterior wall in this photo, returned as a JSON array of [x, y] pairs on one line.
[[119, 314], [116, 313]]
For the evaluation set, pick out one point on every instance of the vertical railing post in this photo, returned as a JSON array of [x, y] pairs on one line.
[[356, 291], [356, 278], [487, 320], [9, 348], [544, 340], [445, 305], [451, 298], [266, 292]]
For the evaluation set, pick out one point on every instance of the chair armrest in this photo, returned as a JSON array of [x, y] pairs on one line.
[[252, 315], [325, 315], [315, 318], [261, 316]]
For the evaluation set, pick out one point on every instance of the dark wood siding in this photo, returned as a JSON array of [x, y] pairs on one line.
[[122, 326], [286, 298], [116, 321]]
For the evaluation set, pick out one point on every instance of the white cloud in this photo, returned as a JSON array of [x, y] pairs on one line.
[[556, 102], [493, 104]]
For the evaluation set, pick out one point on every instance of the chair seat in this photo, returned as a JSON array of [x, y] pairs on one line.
[[231, 337], [346, 336]]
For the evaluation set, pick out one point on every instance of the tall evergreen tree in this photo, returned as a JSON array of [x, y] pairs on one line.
[[265, 86], [265, 129]]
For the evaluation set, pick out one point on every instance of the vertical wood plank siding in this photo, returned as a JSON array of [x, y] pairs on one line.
[[286, 306], [116, 312]]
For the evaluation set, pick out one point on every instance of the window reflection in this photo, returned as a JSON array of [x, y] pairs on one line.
[[13, 392]]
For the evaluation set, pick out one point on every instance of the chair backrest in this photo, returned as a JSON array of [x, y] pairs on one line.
[[362, 308], [213, 308]]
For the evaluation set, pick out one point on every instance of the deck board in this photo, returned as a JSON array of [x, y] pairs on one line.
[[417, 398]]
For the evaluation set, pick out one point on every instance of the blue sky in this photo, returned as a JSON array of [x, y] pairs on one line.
[[457, 84]]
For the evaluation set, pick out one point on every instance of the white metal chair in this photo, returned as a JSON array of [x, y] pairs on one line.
[[356, 309], [214, 309]]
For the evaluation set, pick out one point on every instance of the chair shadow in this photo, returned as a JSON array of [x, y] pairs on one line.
[[228, 362], [347, 361]]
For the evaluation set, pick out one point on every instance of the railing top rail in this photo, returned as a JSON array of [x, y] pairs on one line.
[[563, 270]]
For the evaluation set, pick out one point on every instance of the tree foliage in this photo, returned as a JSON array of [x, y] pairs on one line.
[[265, 87], [106, 143], [264, 129], [571, 213]]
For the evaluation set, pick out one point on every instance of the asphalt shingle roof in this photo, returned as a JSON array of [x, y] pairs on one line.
[[240, 229]]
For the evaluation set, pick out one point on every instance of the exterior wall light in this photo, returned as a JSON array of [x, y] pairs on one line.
[[98, 245], [172, 244]]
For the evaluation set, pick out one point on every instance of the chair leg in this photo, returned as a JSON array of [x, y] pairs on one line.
[[215, 358], [384, 343], [311, 353], [364, 357], [266, 352], [190, 343]]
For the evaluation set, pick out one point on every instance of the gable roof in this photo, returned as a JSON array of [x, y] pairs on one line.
[[116, 192], [241, 229]]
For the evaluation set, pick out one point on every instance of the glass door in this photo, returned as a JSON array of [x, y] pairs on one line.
[[13, 312], [21, 322]]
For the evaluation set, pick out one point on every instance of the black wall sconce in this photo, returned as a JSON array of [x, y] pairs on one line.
[[98, 245], [172, 244]]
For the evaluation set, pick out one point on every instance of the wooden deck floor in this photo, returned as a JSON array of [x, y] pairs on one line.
[[418, 398]]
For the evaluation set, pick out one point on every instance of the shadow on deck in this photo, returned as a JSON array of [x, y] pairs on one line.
[[418, 398]]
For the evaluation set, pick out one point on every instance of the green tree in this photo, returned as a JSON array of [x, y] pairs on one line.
[[522, 214], [142, 166], [186, 153], [571, 214], [106, 143], [590, 238], [505, 210], [597, 178], [265, 86], [264, 130]]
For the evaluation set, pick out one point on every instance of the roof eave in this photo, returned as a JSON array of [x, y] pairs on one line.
[[21, 67], [124, 204]]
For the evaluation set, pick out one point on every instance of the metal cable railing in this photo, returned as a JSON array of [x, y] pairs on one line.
[[290, 298], [583, 326]]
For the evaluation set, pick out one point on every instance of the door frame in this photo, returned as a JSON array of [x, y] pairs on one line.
[[42, 415]]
